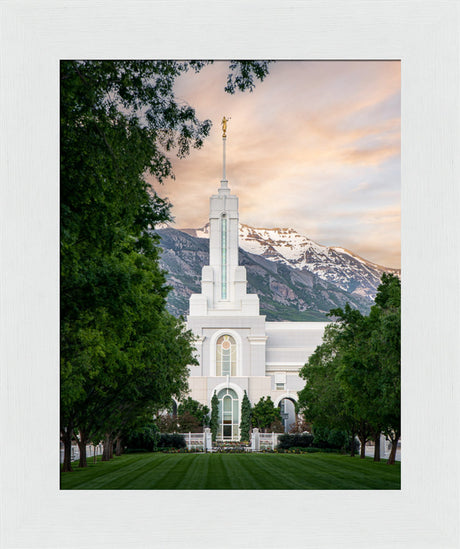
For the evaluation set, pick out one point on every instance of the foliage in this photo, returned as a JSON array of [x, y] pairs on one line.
[[195, 409], [243, 74], [145, 438], [214, 422], [264, 413], [276, 426], [122, 355], [166, 423], [187, 423], [331, 438], [353, 377], [245, 423], [300, 426], [171, 440], [287, 441]]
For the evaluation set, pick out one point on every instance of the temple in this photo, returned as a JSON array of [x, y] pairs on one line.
[[237, 349]]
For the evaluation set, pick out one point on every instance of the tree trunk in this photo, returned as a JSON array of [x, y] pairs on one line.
[[82, 448], [377, 446], [118, 446], [394, 447], [352, 451], [363, 441], [111, 448], [82, 440], [94, 456], [67, 440], [106, 450]]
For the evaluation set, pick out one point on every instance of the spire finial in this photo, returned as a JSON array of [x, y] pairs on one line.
[[224, 183], [224, 126]]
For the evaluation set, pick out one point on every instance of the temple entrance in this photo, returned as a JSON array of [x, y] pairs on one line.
[[228, 415], [288, 413]]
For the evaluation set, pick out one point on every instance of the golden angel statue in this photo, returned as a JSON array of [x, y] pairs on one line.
[[224, 126]]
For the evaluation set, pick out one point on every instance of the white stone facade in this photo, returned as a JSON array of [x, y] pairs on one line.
[[237, 349]]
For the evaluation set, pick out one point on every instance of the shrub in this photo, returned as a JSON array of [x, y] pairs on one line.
[[300, 426], [188, 423], [167, 424], [330, 438], [198, 411], [296, 440], [171, 440], [143, 439]]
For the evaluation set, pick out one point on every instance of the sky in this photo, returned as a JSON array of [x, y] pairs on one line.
[[315, 147]]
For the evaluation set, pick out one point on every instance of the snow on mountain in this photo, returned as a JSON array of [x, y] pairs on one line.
[[340, 266]]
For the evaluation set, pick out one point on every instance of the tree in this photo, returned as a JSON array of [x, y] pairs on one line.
[[322, 400], [214, 422], [353, 377], [122, 354], [264, 413], [195, 409], [245, 423], [386, 344]]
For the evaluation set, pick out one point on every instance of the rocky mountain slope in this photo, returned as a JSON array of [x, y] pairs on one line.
[[337, 265], [290, 273]]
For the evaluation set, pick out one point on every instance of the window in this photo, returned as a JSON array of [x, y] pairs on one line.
[[226, 356], [280, 382], [228, 414], [223, 245]]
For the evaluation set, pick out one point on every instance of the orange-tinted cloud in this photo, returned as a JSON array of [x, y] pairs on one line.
[[298, 149]]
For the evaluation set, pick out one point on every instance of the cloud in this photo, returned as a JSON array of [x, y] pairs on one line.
[[314, 147]]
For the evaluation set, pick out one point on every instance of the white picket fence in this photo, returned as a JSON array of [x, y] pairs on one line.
[[199, 442], [75, 451], [268, 440], [195, 441], [203, 442]]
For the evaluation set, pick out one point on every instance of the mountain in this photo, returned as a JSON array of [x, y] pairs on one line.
[[346, 270], [287, 288]]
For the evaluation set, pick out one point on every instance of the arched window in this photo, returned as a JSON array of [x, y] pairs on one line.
[[226, 356], [228, 414]]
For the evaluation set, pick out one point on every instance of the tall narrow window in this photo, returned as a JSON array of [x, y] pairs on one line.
[[226, 356], [224, 258], [228, 414]]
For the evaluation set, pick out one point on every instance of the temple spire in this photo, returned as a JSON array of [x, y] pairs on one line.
[[223, 182]]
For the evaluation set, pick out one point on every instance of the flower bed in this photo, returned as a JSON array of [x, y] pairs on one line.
[[231, 447], [194, 450]]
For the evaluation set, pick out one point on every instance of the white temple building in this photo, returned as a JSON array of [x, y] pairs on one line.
[[237, 349]]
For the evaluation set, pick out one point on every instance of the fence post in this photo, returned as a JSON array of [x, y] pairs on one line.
[[207, 440], [273, 440], [255, 440]]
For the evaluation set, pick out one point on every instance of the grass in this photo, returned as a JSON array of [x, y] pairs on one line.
[[159, 471]]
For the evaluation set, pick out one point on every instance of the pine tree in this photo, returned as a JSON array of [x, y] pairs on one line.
[[214, 423], [245, 424]]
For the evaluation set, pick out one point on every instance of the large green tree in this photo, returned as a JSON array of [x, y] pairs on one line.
[[385, 342], [121, 352], [353, 377], [322, 400]]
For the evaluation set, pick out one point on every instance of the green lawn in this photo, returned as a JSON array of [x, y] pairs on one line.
[[234, 472]]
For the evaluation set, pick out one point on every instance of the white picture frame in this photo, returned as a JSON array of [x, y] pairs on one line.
[[34, 37]]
